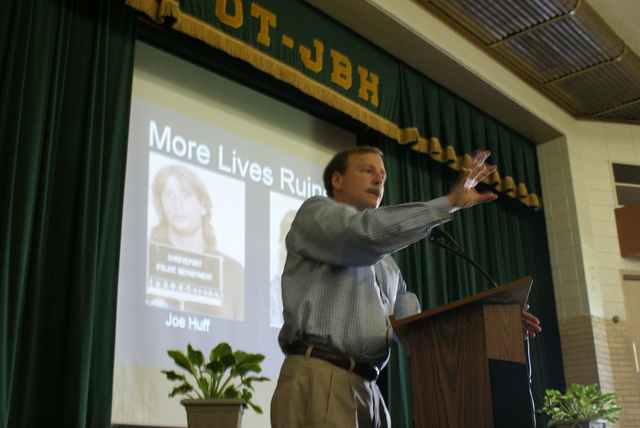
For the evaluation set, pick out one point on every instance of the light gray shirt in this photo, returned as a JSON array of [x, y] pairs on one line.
[[340, 283]]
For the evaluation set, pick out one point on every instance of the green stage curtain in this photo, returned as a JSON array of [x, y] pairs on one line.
[[64, 100], [505, 237]]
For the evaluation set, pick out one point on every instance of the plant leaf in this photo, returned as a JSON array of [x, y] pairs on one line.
[[183, 389], [182, 361], [171, 375], [231, 392], [219, 351], [195, 357]]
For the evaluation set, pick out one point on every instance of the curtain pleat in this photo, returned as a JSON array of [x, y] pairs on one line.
[[65, 95]]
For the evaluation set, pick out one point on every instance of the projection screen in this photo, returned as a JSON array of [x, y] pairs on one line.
[[215, 172]]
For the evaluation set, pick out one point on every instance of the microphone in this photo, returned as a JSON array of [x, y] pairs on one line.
[[438, 236], [439, 232]]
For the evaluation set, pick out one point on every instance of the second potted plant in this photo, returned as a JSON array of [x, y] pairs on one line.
[[223, 384], [581, 407]]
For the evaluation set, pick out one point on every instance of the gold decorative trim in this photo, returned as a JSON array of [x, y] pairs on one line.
[[191, 26], [448, 155]]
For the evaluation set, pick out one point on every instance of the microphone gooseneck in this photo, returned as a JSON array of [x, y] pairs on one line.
[[441, 238]]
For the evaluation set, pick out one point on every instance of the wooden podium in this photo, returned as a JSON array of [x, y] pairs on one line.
[[468, 363]]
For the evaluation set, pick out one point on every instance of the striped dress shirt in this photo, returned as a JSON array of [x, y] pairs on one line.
[[340, 283]]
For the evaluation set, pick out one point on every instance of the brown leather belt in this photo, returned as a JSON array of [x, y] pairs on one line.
[[367, 371]]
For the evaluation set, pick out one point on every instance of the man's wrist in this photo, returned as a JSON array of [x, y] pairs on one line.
[[453, 203]]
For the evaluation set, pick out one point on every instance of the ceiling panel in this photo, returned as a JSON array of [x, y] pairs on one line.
[[563, 47]]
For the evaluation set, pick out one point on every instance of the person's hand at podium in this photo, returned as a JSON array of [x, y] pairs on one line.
[[530, 324]]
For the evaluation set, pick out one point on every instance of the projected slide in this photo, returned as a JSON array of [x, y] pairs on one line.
[[205, 216]]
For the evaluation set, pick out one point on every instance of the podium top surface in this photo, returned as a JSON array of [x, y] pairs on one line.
[[516, 292]]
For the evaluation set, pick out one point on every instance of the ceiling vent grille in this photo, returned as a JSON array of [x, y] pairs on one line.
[[562, 47]]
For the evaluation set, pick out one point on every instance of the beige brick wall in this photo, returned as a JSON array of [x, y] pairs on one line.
[[626, 379], [586, 264], [599, 351], [578, 351]]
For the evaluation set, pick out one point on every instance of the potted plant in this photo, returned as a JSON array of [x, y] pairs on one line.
[[223, 385], [580, 406]]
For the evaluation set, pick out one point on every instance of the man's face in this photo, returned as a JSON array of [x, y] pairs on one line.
[[362, 184]]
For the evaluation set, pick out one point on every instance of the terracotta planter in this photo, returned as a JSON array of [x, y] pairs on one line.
[[583, 423], [214, 413]]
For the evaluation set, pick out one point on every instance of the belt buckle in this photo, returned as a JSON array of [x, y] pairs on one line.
[[377, 373]]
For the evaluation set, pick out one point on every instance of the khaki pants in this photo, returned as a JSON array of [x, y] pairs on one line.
[[312, 393]]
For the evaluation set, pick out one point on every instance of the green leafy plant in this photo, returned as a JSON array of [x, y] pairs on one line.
[[581, 403], [227, 374]]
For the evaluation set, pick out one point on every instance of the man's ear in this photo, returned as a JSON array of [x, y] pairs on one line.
[[336, 180]]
